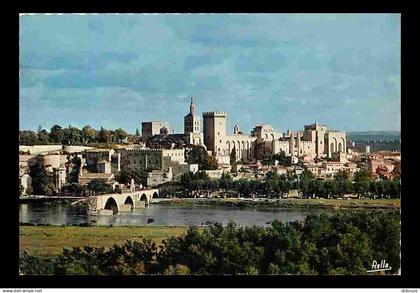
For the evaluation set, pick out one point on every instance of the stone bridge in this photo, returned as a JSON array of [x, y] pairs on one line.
[[108, 204]]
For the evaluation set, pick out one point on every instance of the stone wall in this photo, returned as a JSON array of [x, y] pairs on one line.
[[37, 149]]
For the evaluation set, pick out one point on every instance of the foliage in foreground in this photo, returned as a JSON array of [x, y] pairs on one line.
[[322, 244]]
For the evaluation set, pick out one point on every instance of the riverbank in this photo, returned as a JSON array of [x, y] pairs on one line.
[[50, 240], [294, 203]]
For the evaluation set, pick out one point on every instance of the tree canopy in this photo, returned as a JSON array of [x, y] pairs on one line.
[[198, 155], [72, 136], [325, 244]]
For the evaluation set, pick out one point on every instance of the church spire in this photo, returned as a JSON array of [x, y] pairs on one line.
[[192, 106]]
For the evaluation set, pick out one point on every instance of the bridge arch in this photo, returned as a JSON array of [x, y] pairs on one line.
[[111, 204], [143, 197], [129, 200]]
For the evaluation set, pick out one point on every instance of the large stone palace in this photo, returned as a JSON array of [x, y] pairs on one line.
[[315, 140]]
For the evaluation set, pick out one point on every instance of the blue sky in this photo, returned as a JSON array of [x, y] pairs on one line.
[[287, 70]]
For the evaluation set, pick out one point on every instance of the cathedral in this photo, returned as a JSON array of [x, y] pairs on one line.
[[192, 126]]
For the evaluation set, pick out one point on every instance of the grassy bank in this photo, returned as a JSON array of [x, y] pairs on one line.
[[50, 240], [288, 203]]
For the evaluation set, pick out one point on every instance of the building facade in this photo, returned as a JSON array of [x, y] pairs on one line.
[[151, 128], [153, 159], [316, 141], [220, 144], [102, 161]]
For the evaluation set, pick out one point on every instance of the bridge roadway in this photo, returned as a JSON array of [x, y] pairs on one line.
[[108, 204]]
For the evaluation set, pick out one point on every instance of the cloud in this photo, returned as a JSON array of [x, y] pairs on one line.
[[72, 60], [195, 61], [283, 69], [262, 63]]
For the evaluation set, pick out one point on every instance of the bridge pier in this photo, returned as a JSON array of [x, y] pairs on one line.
[[139, 204], [105, 212], [125, 208]]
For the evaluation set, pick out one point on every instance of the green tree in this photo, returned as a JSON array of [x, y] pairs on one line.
[[341, 175], [103, 135], [361, 188], [56, 134], [42, 135], [99, 186], [362, 175], [74, 188], [210, 163], [282, 159], [73, 175], [395, 188], [306, 175], [120, 134], [361, 182], [139, 176], [88, 134], [226, 182], [39, 178], [72, 135], [178, 269], [124, 176], [331, 188], [198, 155], [233, 157], [28, 137]]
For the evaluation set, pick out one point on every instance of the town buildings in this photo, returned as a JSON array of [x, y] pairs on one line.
[[161, 154]]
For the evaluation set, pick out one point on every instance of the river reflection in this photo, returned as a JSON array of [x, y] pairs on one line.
[[161, 215]]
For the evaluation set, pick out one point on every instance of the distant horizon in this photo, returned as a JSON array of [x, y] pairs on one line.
[[285, 70]]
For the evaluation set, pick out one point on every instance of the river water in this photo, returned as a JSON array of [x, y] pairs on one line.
[[159, 215]]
